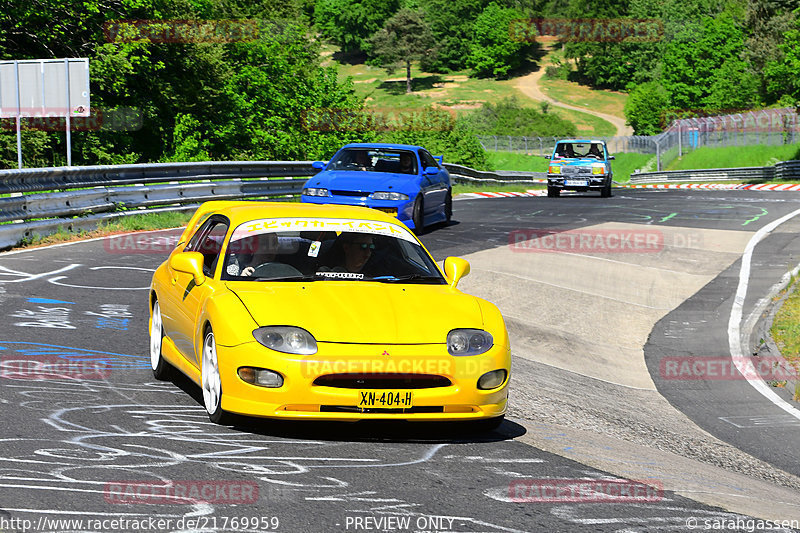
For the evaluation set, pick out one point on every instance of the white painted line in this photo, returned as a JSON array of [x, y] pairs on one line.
[[744, 364]]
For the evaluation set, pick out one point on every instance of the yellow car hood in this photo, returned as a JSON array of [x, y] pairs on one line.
[[362, 312]]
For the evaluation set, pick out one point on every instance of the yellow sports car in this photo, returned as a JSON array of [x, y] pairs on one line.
[[324, 312]]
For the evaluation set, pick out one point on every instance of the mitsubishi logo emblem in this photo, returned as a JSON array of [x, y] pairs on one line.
[[386, 353]]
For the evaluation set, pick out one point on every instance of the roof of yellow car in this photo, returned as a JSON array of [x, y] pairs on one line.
[[242, 211]]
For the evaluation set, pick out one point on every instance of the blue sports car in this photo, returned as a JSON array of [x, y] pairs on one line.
[[405, 181]]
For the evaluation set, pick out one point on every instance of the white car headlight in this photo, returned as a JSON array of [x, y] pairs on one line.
[[469, 342], [384, 195], [286, 339], [311, 191]]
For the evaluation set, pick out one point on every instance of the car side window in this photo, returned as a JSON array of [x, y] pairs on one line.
[[208, 241], [427, 159]]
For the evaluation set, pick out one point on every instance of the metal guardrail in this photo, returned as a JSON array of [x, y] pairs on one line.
[[88, 196], [784, 170]]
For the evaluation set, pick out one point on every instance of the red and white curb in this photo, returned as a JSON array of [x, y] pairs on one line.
[[722, 186]]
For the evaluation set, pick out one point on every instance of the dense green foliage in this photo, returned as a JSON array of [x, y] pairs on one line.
[[508, 117], [251, 98], [198, 98], [494, 51], [644, 108], [708, 56], [350, 23]]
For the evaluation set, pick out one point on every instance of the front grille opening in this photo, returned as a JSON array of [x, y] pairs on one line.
[[382, 381], [380, 410], [359, 194]]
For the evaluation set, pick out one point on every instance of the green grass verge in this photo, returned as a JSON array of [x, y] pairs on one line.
[[460, 188], [735, 156], [570, 92], [785, 331], [625, 164], [516, 161]]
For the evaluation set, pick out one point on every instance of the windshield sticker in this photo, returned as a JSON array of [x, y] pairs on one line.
[[313, 249], [340, 275], [274, 225]]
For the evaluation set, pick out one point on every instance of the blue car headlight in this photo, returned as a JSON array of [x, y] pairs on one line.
[[385, 195], [469, 341], [312, 191], [286, 339]]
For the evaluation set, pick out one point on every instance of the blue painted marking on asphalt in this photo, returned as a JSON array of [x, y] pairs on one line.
[[115, 360], [47, 301], [120, 324]]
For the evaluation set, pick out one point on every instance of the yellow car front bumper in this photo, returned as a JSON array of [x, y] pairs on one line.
[[443, 387]]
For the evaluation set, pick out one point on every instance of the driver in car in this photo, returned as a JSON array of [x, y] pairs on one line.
[[351, 253], [595, 151], [258, 250]]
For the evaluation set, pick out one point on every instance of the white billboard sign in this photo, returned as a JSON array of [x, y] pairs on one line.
[[44, 88]]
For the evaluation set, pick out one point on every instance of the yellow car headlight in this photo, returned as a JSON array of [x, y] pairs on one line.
[[554, 169], [469, 341], [286, 339], [598, 170]]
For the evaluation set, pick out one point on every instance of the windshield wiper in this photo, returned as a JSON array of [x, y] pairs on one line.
[[302, 277], [407, 277]]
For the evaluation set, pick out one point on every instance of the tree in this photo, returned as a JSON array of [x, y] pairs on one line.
[[451, 23], [783, 76], [644, 109], [493, 51], [350, 23], [693, 59], [404, 38]]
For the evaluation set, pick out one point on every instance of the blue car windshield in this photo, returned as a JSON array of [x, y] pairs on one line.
[[580, 150], [374, 160], [378, 253]]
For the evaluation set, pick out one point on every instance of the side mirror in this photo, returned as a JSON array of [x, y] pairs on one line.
[[319, 165], [611, 158], [455, 268], [189, 263], [431, 171]]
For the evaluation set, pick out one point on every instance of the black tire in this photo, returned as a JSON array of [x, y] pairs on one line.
[[448, 206], [162, 370], [210, 381], [553, 192], [418, 215], [605, 192]]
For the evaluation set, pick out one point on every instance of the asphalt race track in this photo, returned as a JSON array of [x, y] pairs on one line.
[[73, 447]]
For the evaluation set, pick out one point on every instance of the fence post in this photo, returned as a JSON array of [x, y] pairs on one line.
[[658, 155]]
